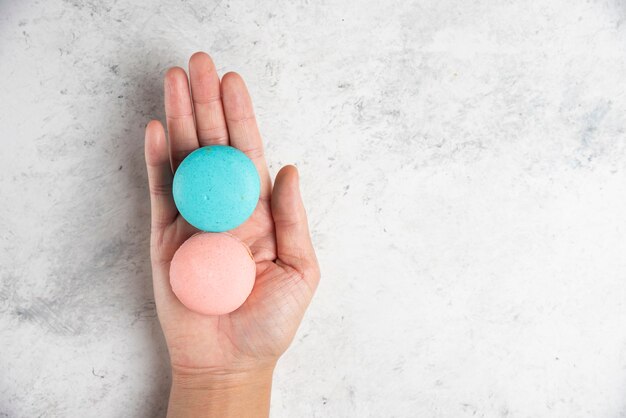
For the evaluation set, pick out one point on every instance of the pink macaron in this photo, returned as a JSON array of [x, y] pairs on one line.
[[212, 273]]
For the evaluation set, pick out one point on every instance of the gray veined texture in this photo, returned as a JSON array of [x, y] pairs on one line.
[[463, 165]]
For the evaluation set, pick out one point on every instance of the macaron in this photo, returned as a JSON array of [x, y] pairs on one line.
[[216, 188], [212, 273]]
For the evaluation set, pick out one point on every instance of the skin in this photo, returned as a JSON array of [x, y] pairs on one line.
[[222, 365]]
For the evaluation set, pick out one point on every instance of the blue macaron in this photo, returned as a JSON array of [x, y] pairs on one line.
[[216, 188]]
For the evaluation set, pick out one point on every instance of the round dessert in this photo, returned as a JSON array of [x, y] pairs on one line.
[[216, 188], [212, 274]]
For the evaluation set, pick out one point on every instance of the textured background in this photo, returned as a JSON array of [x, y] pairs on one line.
[[464, 165]]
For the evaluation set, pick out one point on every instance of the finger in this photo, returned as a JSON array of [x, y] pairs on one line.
[[242, 128], [179, 113], [207, 100], [293, 240], [162, 204]]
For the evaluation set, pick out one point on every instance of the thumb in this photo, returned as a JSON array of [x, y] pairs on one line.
[[293, 240]]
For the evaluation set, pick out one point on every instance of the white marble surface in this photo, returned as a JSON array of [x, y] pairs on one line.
[[464, 165]]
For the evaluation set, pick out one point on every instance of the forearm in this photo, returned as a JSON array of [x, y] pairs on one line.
[[241, 395]]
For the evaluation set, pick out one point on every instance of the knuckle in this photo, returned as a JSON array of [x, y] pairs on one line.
[[254, 152], [162, 189]]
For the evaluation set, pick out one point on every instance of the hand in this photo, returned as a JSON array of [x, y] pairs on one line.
[[240, 348]]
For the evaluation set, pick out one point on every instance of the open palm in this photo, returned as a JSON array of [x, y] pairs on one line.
[[220, 112]]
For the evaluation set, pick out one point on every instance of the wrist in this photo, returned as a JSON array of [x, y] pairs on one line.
[[222, 379], [241, 393]]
